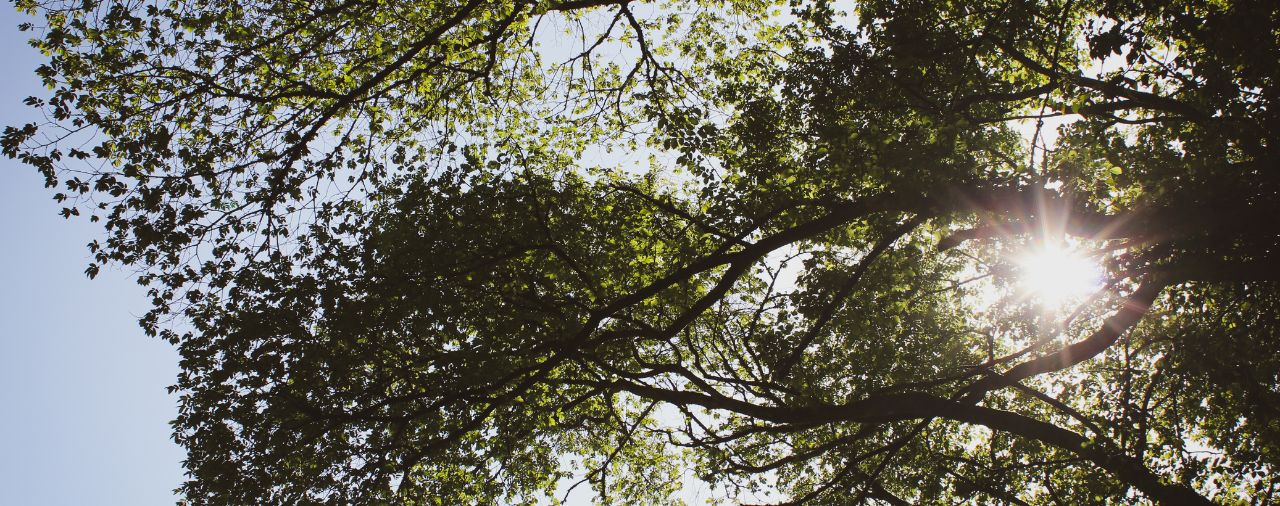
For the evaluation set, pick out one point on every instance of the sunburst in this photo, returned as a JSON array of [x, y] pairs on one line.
[[1055, 274]]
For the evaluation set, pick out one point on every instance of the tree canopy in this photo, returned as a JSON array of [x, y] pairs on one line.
[[475, 252]]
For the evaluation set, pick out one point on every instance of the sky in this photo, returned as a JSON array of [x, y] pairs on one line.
[[84, 415]]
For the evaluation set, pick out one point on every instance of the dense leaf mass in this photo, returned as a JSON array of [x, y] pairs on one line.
[[481, 252]]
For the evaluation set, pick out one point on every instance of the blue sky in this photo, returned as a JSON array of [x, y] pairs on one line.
[[84, 416]]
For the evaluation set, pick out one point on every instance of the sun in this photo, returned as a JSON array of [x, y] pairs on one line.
[[1055, 275]]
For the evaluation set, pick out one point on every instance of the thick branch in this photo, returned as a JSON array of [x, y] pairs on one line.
[[1132, 308], [914, 405], [1023, 211], [1149, 100], [574, 5]]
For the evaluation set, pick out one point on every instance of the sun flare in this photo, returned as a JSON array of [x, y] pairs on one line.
[[1056, 275]]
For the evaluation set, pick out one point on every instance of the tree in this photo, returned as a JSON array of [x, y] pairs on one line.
[[446, 252]]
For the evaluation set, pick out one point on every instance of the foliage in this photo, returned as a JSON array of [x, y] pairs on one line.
[[448, 252]]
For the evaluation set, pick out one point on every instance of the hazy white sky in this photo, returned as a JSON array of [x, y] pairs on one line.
[[83, 409]]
